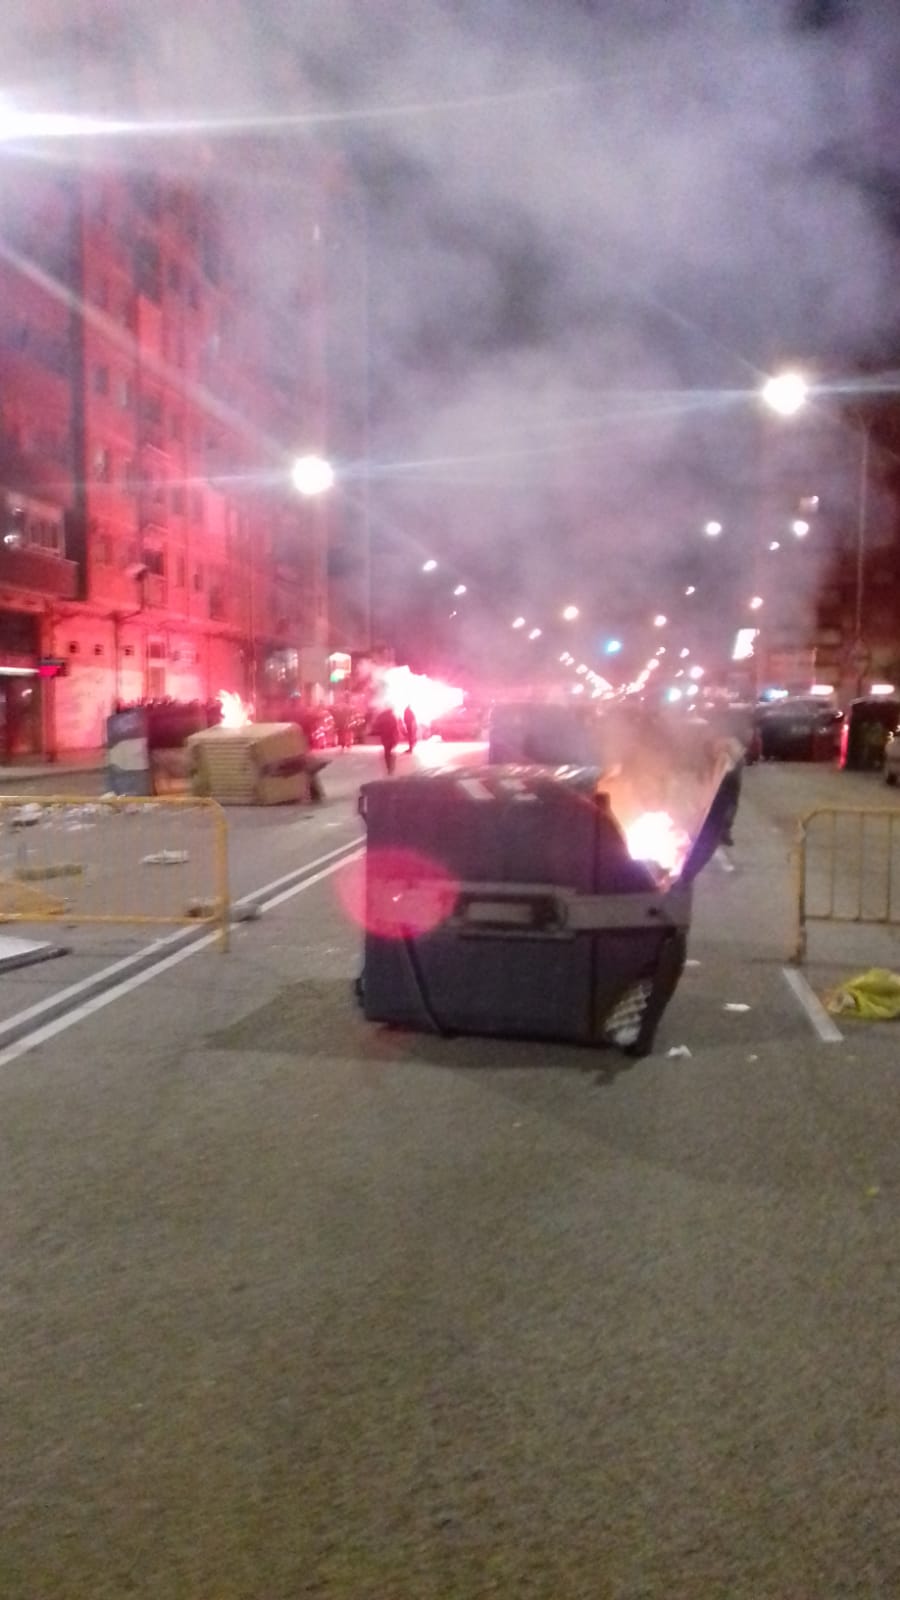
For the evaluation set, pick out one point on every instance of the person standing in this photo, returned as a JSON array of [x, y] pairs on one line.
[[412, 728], [387, 731]]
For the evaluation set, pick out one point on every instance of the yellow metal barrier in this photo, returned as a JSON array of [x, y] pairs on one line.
[[114, 860], [848, 868]]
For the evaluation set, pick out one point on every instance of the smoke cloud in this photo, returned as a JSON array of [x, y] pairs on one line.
[[576, 236]]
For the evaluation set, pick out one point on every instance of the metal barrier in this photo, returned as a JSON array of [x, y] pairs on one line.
[[117, 859], [848, 868]]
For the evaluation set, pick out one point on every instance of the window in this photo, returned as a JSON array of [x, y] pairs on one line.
[[29, 522], [155, 562], [176, 425], [180, 572], [198, 580], [102, 464], [124, 393], [101, 380], [156, 669], [197, 505]]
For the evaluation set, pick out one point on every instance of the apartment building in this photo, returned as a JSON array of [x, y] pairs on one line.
[[151, 543]]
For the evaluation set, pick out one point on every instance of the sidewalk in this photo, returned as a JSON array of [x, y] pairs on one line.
[[93, 761]]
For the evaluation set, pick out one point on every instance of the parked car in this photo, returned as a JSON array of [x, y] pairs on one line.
[[317, 722], [800, 728], [892, 759], [465, 723]]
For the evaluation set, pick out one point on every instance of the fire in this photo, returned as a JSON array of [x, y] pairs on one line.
[[657, 840], [235, 714]]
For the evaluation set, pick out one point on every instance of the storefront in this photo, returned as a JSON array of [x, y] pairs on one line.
[[20, 687]]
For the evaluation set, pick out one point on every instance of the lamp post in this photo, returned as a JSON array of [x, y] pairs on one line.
[[787, 393]]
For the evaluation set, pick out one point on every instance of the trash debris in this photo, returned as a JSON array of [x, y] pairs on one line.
[[678, 1051], [26, 816], [735, 1005], [873, 996], [873, 1191], [693, 962], [753, 1058], [165, 858]]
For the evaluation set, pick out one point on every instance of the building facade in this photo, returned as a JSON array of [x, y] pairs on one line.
[[151, 396]]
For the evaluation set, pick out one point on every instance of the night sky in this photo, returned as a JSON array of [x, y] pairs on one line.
[[583, 233]]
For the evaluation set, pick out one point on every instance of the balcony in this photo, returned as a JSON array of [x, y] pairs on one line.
[[25, 568]]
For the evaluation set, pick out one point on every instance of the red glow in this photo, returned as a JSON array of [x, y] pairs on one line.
[[395, 893]]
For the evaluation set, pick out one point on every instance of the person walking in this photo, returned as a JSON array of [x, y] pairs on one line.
[[412, 728], [386, 728]]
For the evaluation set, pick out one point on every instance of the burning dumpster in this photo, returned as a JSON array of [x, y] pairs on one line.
[[506, 901]]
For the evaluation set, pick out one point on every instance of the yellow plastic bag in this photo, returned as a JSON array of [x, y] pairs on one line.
[[872, 997]]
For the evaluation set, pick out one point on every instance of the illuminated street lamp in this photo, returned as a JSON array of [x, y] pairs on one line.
[[429, 566], [691, 589], [519, 622], [535, 633], [460, 589], [775, 545], [312, 475], [683, 654], [786, 393], [570, 613], [800, 527], [756, 602], [712, 529], [659, 621]]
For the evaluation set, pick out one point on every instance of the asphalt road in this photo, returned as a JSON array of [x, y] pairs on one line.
[[296, 1306]]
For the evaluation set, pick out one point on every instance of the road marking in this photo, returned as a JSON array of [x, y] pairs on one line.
[[78, 1013], [827, 1030], [180, 936]]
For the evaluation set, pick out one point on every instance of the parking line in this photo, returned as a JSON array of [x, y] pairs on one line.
[[164, 945], [828, 1031], [97, 1002]]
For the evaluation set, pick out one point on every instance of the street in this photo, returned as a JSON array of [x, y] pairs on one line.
[[294, 1305]]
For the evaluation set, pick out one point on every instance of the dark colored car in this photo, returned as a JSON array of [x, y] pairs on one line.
[[464, 723], [800, 728], [868, 726]]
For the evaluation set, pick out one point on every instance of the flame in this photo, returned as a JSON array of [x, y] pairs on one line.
[[657, 840], [235, 714]]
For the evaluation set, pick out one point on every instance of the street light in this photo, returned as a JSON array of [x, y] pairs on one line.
[[786, 393], [691, 589], [519, 622], [460, 589], [570, 614], [756, 602], [712, 529], [535, 633], [800, 527], [430, 565], [659, 621], [312, 475]]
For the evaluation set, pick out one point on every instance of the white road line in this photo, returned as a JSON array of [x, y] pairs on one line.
[[98, 1002], [827, 1030], [165, 943]]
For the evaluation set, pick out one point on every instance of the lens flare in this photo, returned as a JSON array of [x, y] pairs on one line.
[[397, 893]]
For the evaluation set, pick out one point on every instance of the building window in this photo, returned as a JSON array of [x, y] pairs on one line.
[[180, 572], [124, 394], [156, 669], [155, 562], [98, 649], [102, 464], [197, 505], [198, 580], [176, 425], [101, 380]]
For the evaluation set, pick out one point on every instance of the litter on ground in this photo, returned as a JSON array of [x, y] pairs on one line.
[[872, 996], [165, 858], [678, 1051]]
